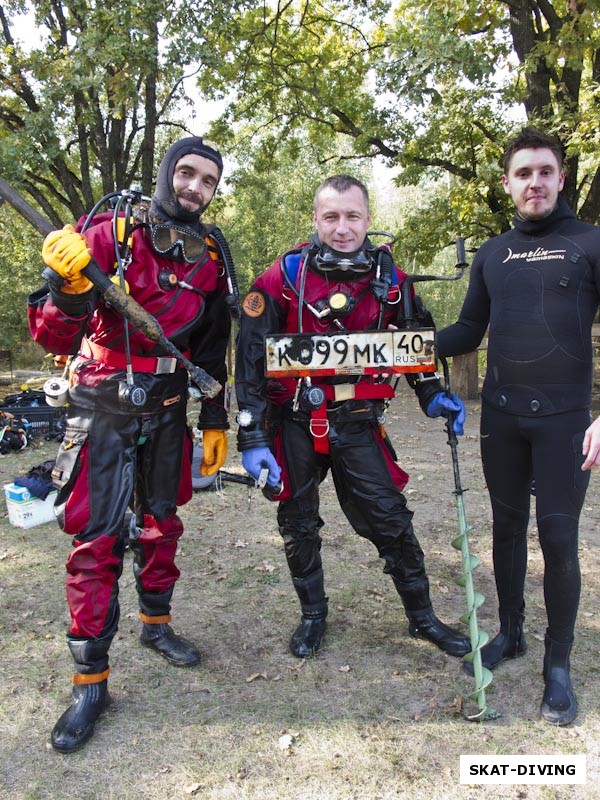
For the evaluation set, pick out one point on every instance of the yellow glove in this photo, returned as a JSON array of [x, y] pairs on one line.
[[214, 444], [67, 253], [117, 282], [77, 286]]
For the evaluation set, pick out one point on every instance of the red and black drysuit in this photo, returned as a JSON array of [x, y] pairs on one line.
[[113, 456], [538, 289], [345, 437]]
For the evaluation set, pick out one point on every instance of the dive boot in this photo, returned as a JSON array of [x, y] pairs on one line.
[[559, 704], [177, 650], [508, 643], [307, 637], [428, 626], [422, 621], [76, 726]]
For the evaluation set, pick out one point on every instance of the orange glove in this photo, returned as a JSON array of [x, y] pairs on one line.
[[67, 253], [214, 444]]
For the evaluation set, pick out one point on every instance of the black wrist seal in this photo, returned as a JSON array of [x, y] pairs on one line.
[[247, 438]]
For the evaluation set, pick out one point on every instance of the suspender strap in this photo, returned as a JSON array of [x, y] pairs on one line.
[[319, 428]]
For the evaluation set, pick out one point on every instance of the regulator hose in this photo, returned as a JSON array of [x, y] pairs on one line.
[[234, 292]]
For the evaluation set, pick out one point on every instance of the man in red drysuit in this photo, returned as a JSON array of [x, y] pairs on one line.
[[127, 442], [339, 282]]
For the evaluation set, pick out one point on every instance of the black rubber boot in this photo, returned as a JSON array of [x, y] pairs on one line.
[[90, 694], [307, 637], [559, 704], [76, 726], [508, 643], [423, 623], [428, 626], [177, 650]]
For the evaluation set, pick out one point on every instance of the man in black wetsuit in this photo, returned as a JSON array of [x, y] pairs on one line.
[[538, 289]]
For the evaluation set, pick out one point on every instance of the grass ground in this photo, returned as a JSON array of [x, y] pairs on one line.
[[376, 716]]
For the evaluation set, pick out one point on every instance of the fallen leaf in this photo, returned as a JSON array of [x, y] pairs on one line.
[[197, 687], [286, 741], [265, 567], [255, 676]]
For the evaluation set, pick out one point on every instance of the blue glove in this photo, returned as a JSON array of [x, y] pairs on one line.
[[257, 458], [451, 407]]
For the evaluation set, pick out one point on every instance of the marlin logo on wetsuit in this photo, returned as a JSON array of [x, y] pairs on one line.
[[539, 254]]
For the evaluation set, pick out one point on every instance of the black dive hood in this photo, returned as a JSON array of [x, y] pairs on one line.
[[165, 207]]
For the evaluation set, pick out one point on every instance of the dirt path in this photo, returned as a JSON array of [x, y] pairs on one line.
[[376, 715]]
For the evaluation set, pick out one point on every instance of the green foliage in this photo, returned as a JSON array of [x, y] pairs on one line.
[[20, 271], [269, 208], [83, 112], [430, 88], [302, 65], [435, 89]]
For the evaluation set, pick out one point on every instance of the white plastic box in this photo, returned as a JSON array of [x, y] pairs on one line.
[[25, 510]]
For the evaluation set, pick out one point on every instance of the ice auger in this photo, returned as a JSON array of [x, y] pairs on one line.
[[483, 676]]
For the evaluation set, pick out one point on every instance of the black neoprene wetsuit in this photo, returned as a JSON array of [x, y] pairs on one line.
[[538, 289]]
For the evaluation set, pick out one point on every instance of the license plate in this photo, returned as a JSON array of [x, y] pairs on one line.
[[373, 353]]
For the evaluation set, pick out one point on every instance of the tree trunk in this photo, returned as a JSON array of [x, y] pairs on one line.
[[465, 376]]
